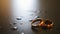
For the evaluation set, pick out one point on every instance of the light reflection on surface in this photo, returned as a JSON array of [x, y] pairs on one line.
[[27, 9], [24, 8]]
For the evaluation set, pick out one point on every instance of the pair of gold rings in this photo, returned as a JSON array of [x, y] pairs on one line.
[[40, 23]]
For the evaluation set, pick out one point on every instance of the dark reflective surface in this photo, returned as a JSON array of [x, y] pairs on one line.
[[47, 10]]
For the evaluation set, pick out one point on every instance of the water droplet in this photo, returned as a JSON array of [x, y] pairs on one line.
[[30, 20], [18, 18], [36, 17], [14, 23], [22, 33], [14, 28]]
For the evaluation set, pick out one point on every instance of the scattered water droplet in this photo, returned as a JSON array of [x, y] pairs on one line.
[[22, 33], [18, 18], [36, 17], [14, 23], [30, 20], [14, 28]]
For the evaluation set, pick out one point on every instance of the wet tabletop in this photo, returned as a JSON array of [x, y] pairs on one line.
[[17, 20], [22, 24]]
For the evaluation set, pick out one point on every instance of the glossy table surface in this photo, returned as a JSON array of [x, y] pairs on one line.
[[22, 14], [23, 25]]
